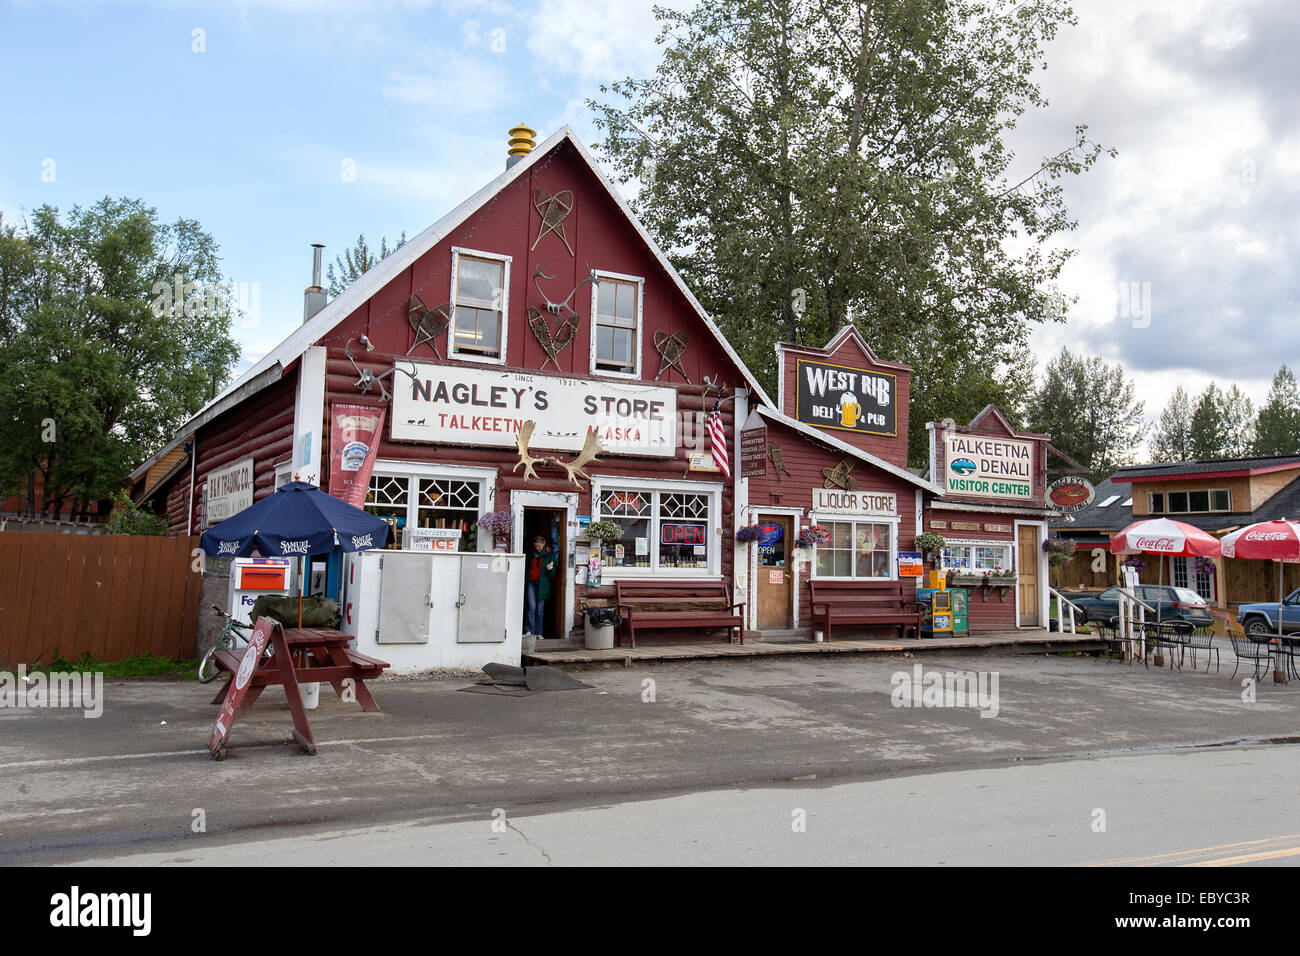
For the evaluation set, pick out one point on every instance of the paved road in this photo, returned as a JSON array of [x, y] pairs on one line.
[[133, 780], [1199, 808]]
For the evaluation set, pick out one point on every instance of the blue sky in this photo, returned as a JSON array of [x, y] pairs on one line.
[[252, 135], [1197, 221]]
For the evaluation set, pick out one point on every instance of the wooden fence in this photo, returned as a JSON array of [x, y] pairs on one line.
[[112, 596]]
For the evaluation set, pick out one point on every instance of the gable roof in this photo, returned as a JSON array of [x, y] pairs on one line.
[[1208, 467], [271, 366], [816, 434]]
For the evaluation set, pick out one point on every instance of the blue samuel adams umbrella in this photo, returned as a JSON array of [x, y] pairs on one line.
[[296, 521]]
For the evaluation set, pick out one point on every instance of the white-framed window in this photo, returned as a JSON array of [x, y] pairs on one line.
[[1183, 573], [416, 496], [283, 474], [480, 296], [860, 549], [976, 557], [616, 324], [668, 527], [1201, 501]]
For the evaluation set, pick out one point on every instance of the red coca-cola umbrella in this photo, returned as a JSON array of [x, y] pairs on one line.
[[1266, 541], [1164, 536]]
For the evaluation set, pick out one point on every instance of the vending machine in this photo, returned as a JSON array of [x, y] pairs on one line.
[[936, 611]]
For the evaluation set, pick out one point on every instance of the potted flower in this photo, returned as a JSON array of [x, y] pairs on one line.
[[748, 532], [813, 535], [930, 544], [497, 524], [1059, 550], [602, 531]]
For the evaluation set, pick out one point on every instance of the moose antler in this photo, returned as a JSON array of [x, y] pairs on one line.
[[590, 449], [526, 461]]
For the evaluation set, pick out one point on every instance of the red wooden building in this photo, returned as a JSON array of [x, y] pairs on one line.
[[535, 310], [993, 516]]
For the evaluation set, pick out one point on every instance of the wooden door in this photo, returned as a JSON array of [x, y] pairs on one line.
[[1027, 573], [775, 572]]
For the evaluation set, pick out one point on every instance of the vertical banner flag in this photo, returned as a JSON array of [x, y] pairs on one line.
[[355, 431], [718, 439]]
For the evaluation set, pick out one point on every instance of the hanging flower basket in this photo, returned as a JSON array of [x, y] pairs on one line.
[[1059, 550], [604, 530], [813, 535], [749, 532]]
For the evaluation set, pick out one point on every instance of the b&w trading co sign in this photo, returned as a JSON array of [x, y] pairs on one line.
[[228, 491], [468, 406], [846, 399]]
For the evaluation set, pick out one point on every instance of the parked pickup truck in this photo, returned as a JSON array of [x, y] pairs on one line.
[[1261, 619], [1173, 604]]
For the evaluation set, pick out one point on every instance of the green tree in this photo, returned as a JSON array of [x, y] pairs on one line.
[[1208, 435], [814, 163], [1172, 438], [1089, 409], [1237, 412], [356, 262], [130, 518], [121, 326], [1277, 428]]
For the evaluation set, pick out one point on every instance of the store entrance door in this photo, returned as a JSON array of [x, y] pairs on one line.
[[550, 524], [1027, 574], [775, 586]]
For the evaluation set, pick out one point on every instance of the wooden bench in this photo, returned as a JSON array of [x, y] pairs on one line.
[[842, 603], [695, 605]]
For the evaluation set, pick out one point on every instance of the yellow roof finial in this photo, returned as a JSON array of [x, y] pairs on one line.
[[521, 140]]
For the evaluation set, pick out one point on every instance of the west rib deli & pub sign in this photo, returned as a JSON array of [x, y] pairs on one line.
[[845, 399]]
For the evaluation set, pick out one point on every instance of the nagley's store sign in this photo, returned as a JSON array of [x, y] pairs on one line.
[[988, 467], [846, 399], [467, 406]]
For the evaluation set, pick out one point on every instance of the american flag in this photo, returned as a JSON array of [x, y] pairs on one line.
[[718, 439]]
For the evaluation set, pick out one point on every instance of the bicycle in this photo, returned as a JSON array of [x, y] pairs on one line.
[[233, 633]]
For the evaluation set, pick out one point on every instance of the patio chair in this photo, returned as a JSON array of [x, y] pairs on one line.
[[1244, 649], [1110, 638], [1159, 636], [1203, 640]]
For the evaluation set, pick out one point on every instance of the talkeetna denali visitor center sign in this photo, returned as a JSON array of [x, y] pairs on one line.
[[469, 406], [988, 467], [846, 399]]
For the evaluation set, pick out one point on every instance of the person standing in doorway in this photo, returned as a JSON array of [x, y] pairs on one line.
[[541, 582]]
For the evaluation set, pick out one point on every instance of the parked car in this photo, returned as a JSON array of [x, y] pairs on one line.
[[1172, 604], [1261, 619]]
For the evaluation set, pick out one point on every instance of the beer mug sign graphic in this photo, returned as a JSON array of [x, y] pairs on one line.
[[850, 410]]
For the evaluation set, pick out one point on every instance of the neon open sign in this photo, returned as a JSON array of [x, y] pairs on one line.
[[682, 533]]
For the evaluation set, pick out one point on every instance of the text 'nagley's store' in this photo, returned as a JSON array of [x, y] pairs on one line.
[[532, 366]]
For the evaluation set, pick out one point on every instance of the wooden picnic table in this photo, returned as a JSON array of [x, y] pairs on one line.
[[298, 655]]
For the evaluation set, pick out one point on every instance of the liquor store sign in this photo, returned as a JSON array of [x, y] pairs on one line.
[[845, 399], [466, 406], [871, 503], [988, 467]]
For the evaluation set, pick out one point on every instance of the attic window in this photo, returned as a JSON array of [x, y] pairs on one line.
[[616, 324], [480, 292]]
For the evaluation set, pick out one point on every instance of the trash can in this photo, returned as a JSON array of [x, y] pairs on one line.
[[599, 624]]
